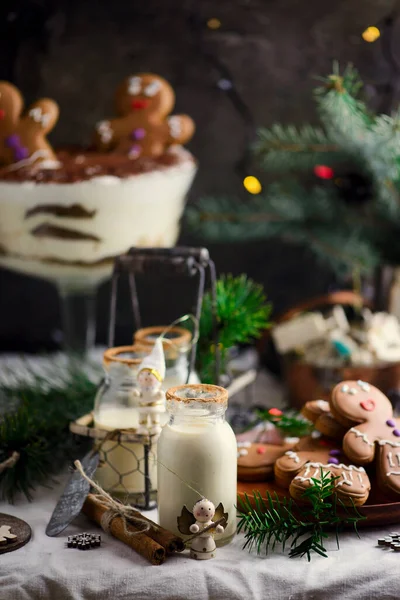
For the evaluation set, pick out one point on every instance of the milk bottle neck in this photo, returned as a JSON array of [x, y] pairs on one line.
[[195, 413]]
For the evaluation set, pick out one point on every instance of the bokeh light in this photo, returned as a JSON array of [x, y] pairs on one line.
[[252, 184]]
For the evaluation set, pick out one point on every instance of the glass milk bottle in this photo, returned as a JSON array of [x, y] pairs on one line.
[[177, 343], [122, 464], [197, 456]]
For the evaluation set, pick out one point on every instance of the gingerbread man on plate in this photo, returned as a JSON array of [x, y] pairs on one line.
[[144, 127], [373, 430], [297, 468], [23, 138]]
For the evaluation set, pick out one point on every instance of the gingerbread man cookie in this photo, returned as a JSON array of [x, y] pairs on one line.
[[318, 412], [373, 430], [256, 461], [298, 467], [23, 138], [144, 127]]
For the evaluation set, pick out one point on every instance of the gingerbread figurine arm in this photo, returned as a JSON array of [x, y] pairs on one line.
[[388, 471], [288, 465], [180, 129], [11, 105], [358, 446]]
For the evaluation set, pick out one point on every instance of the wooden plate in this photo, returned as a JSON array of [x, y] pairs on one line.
[[19, 528], [378, 510]]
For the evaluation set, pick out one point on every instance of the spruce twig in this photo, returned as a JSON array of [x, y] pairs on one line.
[[283, 522], [243, 313]]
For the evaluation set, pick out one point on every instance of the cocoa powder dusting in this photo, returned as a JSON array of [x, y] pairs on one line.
[[78, 165]]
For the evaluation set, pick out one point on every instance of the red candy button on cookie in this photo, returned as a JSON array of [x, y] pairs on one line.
[[367, 404], [261, 450]]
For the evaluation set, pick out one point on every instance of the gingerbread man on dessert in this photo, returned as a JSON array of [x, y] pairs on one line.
[[373, 429], [23, 138], [144, 127], [298, 467]]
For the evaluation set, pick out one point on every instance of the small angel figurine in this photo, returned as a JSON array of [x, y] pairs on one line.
[[203, 515], [151, 398]]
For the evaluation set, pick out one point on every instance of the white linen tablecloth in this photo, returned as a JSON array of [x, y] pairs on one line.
[[45, 569]]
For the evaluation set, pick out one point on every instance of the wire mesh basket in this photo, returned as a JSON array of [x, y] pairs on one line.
[[128, 465]]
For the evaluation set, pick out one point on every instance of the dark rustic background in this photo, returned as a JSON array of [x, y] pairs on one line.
[[78, 51]]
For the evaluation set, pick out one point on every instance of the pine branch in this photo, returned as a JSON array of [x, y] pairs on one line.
[[37, 427], [345, 116], [295, 214], [283, 522], [291, 423], [242, 313], [281, 148]]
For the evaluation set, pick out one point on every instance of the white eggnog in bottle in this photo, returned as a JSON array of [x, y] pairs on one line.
[[197, 456]]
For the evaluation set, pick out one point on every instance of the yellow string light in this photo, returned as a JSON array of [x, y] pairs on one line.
[[252, 184], [213, 23], [371, 34]]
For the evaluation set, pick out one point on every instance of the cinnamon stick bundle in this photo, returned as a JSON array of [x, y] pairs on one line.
[[153, 544], [168, 540]]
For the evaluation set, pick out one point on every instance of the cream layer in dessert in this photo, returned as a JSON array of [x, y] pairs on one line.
[[68, 224]]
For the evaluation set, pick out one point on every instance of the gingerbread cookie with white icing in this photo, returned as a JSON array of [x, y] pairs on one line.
[[23, 137], [374, 433], [297, 468], [318, 412], [144, 127], [256, 461]]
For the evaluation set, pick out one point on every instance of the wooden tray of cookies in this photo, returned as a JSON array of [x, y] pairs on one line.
[[378, 509]]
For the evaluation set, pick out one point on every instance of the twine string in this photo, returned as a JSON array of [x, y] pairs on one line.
[[127, 514], [10, 462], [186, 483], [194, 340]]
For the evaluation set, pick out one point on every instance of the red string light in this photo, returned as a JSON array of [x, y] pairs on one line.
[[323, 172]]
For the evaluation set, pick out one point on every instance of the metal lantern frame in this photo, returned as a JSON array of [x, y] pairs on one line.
[[155, 262]]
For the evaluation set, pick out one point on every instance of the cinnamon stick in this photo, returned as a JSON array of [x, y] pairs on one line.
[[168, 540], [140, 542]]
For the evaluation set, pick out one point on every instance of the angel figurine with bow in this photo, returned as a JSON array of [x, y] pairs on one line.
[[204, 521]]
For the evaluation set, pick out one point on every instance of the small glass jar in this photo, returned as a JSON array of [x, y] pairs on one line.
[[121, 470], [197, 456], [177, 343]]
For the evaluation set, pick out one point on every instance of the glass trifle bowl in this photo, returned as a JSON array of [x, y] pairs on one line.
[[67, 224]]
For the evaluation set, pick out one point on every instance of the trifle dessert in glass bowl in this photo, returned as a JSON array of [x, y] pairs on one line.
[[65, 215]]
